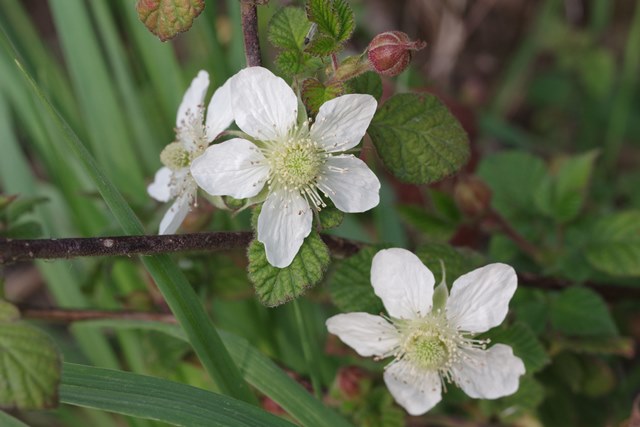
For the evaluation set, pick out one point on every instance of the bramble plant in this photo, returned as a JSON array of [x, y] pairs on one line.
[[320, 192]]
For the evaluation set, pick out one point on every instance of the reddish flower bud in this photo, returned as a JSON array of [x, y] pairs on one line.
[[349, 379], [472, 196], [390, 53]]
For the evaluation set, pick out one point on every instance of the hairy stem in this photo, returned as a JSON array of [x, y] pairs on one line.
[[249, 15]]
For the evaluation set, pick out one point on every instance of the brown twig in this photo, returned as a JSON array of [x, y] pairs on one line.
[[69, 316], [12, 251], [249, 15]]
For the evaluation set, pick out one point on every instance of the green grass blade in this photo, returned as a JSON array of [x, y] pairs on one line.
[[257, 369], [157, 399], [7, 420], [175, 288], [100, 108]]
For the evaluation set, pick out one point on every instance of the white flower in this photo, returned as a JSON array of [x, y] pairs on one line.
[[174, 181], [431, 346], [296, 162]]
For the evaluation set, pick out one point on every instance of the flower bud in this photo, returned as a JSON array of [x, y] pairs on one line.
[[472, 196], [390, 53]]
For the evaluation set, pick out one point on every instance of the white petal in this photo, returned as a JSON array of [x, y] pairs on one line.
[[367, 334], [415, 391], [264, 105], [233, 168], [193, 99], [489, 374], [349, 182], [160, 188], [479, 300], [175, 215], [284, 222], [403, 283], [342, 122], [219, 111]]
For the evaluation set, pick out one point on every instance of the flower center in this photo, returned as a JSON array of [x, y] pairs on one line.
[[427, 350], [296, 164], [175, 157]]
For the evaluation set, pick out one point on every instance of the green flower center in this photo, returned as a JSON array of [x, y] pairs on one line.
[[427, 350], [175, 157], [296, 164]]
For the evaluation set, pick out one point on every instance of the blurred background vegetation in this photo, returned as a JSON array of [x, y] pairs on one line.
[[548, 93]]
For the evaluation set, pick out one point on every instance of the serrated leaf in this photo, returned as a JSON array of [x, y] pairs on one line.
[[322, 45], [418, 139], [561, 195], [615, 244], [315, 93], [437, 228], [350, 284], [580, 311], [167, 18], [335, 24], [275, 286], [525, 345], [29, 367], [456, 262], [288, 28], [368, 82], [514, 177]]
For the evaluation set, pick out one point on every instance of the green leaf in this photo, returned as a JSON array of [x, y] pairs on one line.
[[418, 139], [561, 195], [288, 28], [350, 284], [257, 369], [368, 82], [514, 177], [435, 227], [615, 244], [580, 311], [275, 286], [315, 93], [525, 345], [456, 261], [335, 24], [8, 312], [29, 366], [168, 18], [7, 420], [24, 230], [23, 205], [157, 399], [330, 217], [620, 346]]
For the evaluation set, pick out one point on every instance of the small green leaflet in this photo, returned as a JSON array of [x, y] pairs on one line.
[[335, 21], [579, 311], [29, 364], [418, 139], [614, 247], [315, 93], [275, 286], [167, 18], [287, 30]]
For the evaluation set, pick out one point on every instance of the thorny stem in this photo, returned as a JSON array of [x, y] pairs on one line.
[[12, 251], [249, 14]]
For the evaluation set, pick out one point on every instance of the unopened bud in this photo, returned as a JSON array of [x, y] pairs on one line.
[[349, 381], [390, 53], [472, 196], [175, 157]]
